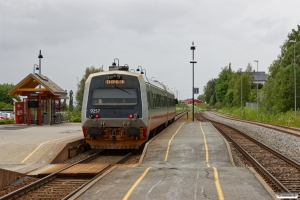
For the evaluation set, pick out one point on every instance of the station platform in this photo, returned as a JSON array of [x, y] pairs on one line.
[[25, 148], [189, 160]]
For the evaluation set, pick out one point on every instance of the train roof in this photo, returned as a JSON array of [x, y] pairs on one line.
[[140, 76]]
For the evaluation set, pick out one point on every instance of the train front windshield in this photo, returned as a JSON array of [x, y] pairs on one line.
[[114, 96]]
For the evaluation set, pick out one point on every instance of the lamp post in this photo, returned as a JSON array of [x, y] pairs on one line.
[[257, 91], [294, 41], [139, 69], [143, 72], [193, 62], [115, 60], [40, 66], [241, 92], [37, 68]]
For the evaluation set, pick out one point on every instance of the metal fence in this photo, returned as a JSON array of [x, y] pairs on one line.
[[251, 105]]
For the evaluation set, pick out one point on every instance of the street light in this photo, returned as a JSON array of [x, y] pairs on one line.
[[193, 62], [139, 69], [257, 90], [40, 65], [115, 60], [35, 68], [143, 72], [241, 92], [294, 41]]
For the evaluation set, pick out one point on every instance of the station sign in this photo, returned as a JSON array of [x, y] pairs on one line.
[[34, 94], [196, 90]]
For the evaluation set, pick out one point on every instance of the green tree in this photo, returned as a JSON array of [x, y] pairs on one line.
[[201, 97], [81, 84], [222, 84], [71, 106], [4, 97], [242, 87], [278, 92], [210, 92]]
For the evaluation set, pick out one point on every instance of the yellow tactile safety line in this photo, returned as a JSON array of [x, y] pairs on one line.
[[42, 145], [217, 182], [206, 148], [167, 153], [135, 184]]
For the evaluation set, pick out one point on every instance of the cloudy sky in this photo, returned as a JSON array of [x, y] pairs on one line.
[[154, 34]]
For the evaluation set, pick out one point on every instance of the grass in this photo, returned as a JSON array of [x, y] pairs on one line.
[[284, 119]]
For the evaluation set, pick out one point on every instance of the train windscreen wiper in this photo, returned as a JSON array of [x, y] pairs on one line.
[[121, 89]]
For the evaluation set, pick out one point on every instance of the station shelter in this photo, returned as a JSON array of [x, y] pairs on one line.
[[44, 103]]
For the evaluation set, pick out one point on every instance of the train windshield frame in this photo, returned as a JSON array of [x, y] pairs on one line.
[[114, 96]]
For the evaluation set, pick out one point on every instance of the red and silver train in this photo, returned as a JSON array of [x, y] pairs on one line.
[[122, 109]]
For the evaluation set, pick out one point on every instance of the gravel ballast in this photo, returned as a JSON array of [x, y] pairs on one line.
[[286, 144]]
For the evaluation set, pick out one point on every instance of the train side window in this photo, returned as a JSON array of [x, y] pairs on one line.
[[149, 99]]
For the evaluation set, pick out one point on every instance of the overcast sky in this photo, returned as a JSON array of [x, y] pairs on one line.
[[155, 35]]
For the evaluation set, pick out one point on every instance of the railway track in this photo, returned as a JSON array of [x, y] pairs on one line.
[[66, 181], [284, 129], [280, 172], [63, 180]]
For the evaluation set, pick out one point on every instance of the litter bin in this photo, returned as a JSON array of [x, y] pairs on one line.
[[46, 120]]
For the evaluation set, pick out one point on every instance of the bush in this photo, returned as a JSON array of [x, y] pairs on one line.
[[73, 116], [76, 119], [7, 121]]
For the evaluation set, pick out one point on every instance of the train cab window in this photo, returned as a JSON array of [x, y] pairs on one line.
[[114, 96]]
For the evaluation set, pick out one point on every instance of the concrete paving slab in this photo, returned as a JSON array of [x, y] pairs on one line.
[[196, 155], [23, 148]]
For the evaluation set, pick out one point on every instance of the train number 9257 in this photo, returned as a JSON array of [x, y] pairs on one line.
[[93, 111]]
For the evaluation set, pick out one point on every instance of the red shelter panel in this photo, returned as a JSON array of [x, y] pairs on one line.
[[19, 112]]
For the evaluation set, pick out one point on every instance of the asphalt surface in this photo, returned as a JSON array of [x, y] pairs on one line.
[[24, 148], [195, 166]]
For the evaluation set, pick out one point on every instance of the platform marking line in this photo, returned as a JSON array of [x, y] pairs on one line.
[[206, 148], [135, 184], [42, 145], [217, 183], [167, 153]]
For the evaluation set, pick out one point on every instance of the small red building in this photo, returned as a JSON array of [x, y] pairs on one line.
[[190, 101], [42, 102]]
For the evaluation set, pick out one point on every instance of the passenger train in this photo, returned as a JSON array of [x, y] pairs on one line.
[[123, 109]]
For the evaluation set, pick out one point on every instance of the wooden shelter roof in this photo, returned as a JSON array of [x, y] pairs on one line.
[[30, 83]]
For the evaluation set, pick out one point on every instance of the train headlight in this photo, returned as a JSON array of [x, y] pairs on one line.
[[92, 116]]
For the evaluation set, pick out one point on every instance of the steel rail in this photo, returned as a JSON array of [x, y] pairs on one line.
[[282, 157], [43, 181], [269, 126], [122, 160], [257, 165], [52, 176]]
